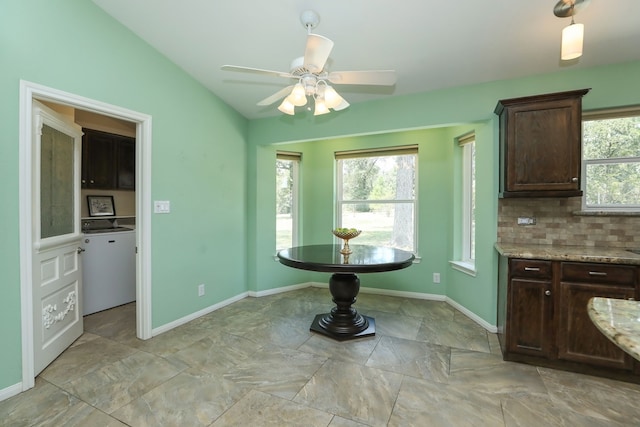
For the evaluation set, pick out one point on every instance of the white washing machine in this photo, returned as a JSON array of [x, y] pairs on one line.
[[108, 270]]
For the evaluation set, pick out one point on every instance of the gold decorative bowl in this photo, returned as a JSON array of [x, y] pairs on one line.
[[346, 234]]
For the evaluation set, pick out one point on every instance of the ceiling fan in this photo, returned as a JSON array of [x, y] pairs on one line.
[[312, 76]]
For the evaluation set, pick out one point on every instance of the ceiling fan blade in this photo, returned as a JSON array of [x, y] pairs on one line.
[[276, 96], [317, 52], [255, 71], [380, 77]]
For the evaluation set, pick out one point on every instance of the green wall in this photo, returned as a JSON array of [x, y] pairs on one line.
[[199, 155], [217, 168]]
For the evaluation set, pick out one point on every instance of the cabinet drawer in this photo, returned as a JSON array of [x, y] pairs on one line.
[[530, 268], [599, 273]]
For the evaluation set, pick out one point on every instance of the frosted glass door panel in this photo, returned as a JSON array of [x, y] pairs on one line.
[[56, 183]]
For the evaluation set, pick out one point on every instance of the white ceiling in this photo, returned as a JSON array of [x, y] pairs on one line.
[[430, 44]]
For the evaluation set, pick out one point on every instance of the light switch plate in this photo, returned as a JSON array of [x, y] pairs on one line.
[[162, 206]]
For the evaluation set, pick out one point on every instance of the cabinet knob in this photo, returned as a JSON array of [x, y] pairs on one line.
[[574, 179], [547, 292], [91, 181]]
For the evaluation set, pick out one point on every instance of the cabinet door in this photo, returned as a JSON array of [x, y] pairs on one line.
[[98, 160], [126, 164], [529, 314], [578, 338], [543, 147]]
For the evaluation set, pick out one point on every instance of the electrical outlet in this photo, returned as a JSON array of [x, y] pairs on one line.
[[526, 221], [436, 277], [201, 289]]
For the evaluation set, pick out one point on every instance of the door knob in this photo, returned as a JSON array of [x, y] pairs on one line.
[[547, 292], [80, 250]]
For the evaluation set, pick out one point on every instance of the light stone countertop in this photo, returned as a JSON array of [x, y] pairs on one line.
[[568, 253], [618, 320]]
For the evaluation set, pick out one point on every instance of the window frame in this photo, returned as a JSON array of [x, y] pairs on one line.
[[378, 152], [296, 158], [605, 114], [465, 261]]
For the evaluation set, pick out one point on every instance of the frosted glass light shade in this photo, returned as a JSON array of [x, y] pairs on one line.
[[331, 97], [321, 108], [572, 38], [298, 97], [287, 107]]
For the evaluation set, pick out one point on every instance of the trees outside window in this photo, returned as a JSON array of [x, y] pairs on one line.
[[377, 194], [468, 243], [611, 160], [287, 188]]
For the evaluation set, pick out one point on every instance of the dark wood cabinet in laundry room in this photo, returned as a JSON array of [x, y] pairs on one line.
[[108, 161], [540, 145]]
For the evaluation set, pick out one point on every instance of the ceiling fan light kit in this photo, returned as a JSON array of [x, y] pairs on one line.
[[573, 34], [312, 76]]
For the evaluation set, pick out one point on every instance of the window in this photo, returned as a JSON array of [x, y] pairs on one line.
[[468, 244], [376, 193], [611, 160], [287, 185]]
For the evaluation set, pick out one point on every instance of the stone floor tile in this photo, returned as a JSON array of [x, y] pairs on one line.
[[413, 358], [355, 392], [424, 403], [282, 372], [262, 409], [117, 384], [353, 351], [191, 398]]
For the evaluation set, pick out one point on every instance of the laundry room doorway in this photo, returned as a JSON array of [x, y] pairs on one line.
[[33, 312]]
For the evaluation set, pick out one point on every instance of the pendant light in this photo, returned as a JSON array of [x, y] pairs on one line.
[[573, 34]]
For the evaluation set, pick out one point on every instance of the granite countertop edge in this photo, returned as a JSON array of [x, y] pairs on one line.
[[618, 320], [568, 253]]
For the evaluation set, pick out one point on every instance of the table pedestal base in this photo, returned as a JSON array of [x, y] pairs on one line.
[[344, 322]]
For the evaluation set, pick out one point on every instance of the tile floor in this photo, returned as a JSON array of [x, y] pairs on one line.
[[255, 363]]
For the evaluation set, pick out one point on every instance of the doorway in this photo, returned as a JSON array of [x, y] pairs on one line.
[[30, 92]]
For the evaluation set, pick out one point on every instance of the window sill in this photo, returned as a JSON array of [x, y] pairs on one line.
[[606, 213], [465, 267]]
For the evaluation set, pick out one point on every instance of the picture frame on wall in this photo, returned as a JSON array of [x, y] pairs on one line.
[[101, 206]]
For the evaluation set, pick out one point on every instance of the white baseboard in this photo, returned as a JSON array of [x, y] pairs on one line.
[[414, 295], [186, 319], [432, 297], [280, 290], [480, 321], [10, 391]]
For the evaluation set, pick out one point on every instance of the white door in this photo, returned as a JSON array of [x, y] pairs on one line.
[[57, 274]]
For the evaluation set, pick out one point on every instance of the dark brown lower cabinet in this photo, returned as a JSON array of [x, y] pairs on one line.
[[529, 315], [578, 338], [547, 322]]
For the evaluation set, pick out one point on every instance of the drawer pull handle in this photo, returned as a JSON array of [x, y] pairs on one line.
[[597, 273], [531, 269]]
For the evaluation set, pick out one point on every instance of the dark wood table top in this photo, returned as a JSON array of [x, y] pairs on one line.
[[363, 259]]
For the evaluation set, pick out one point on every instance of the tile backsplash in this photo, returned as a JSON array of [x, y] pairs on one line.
[[560, 222]]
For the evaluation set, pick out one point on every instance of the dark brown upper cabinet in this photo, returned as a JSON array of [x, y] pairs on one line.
[[540, 145], [108, 161]]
